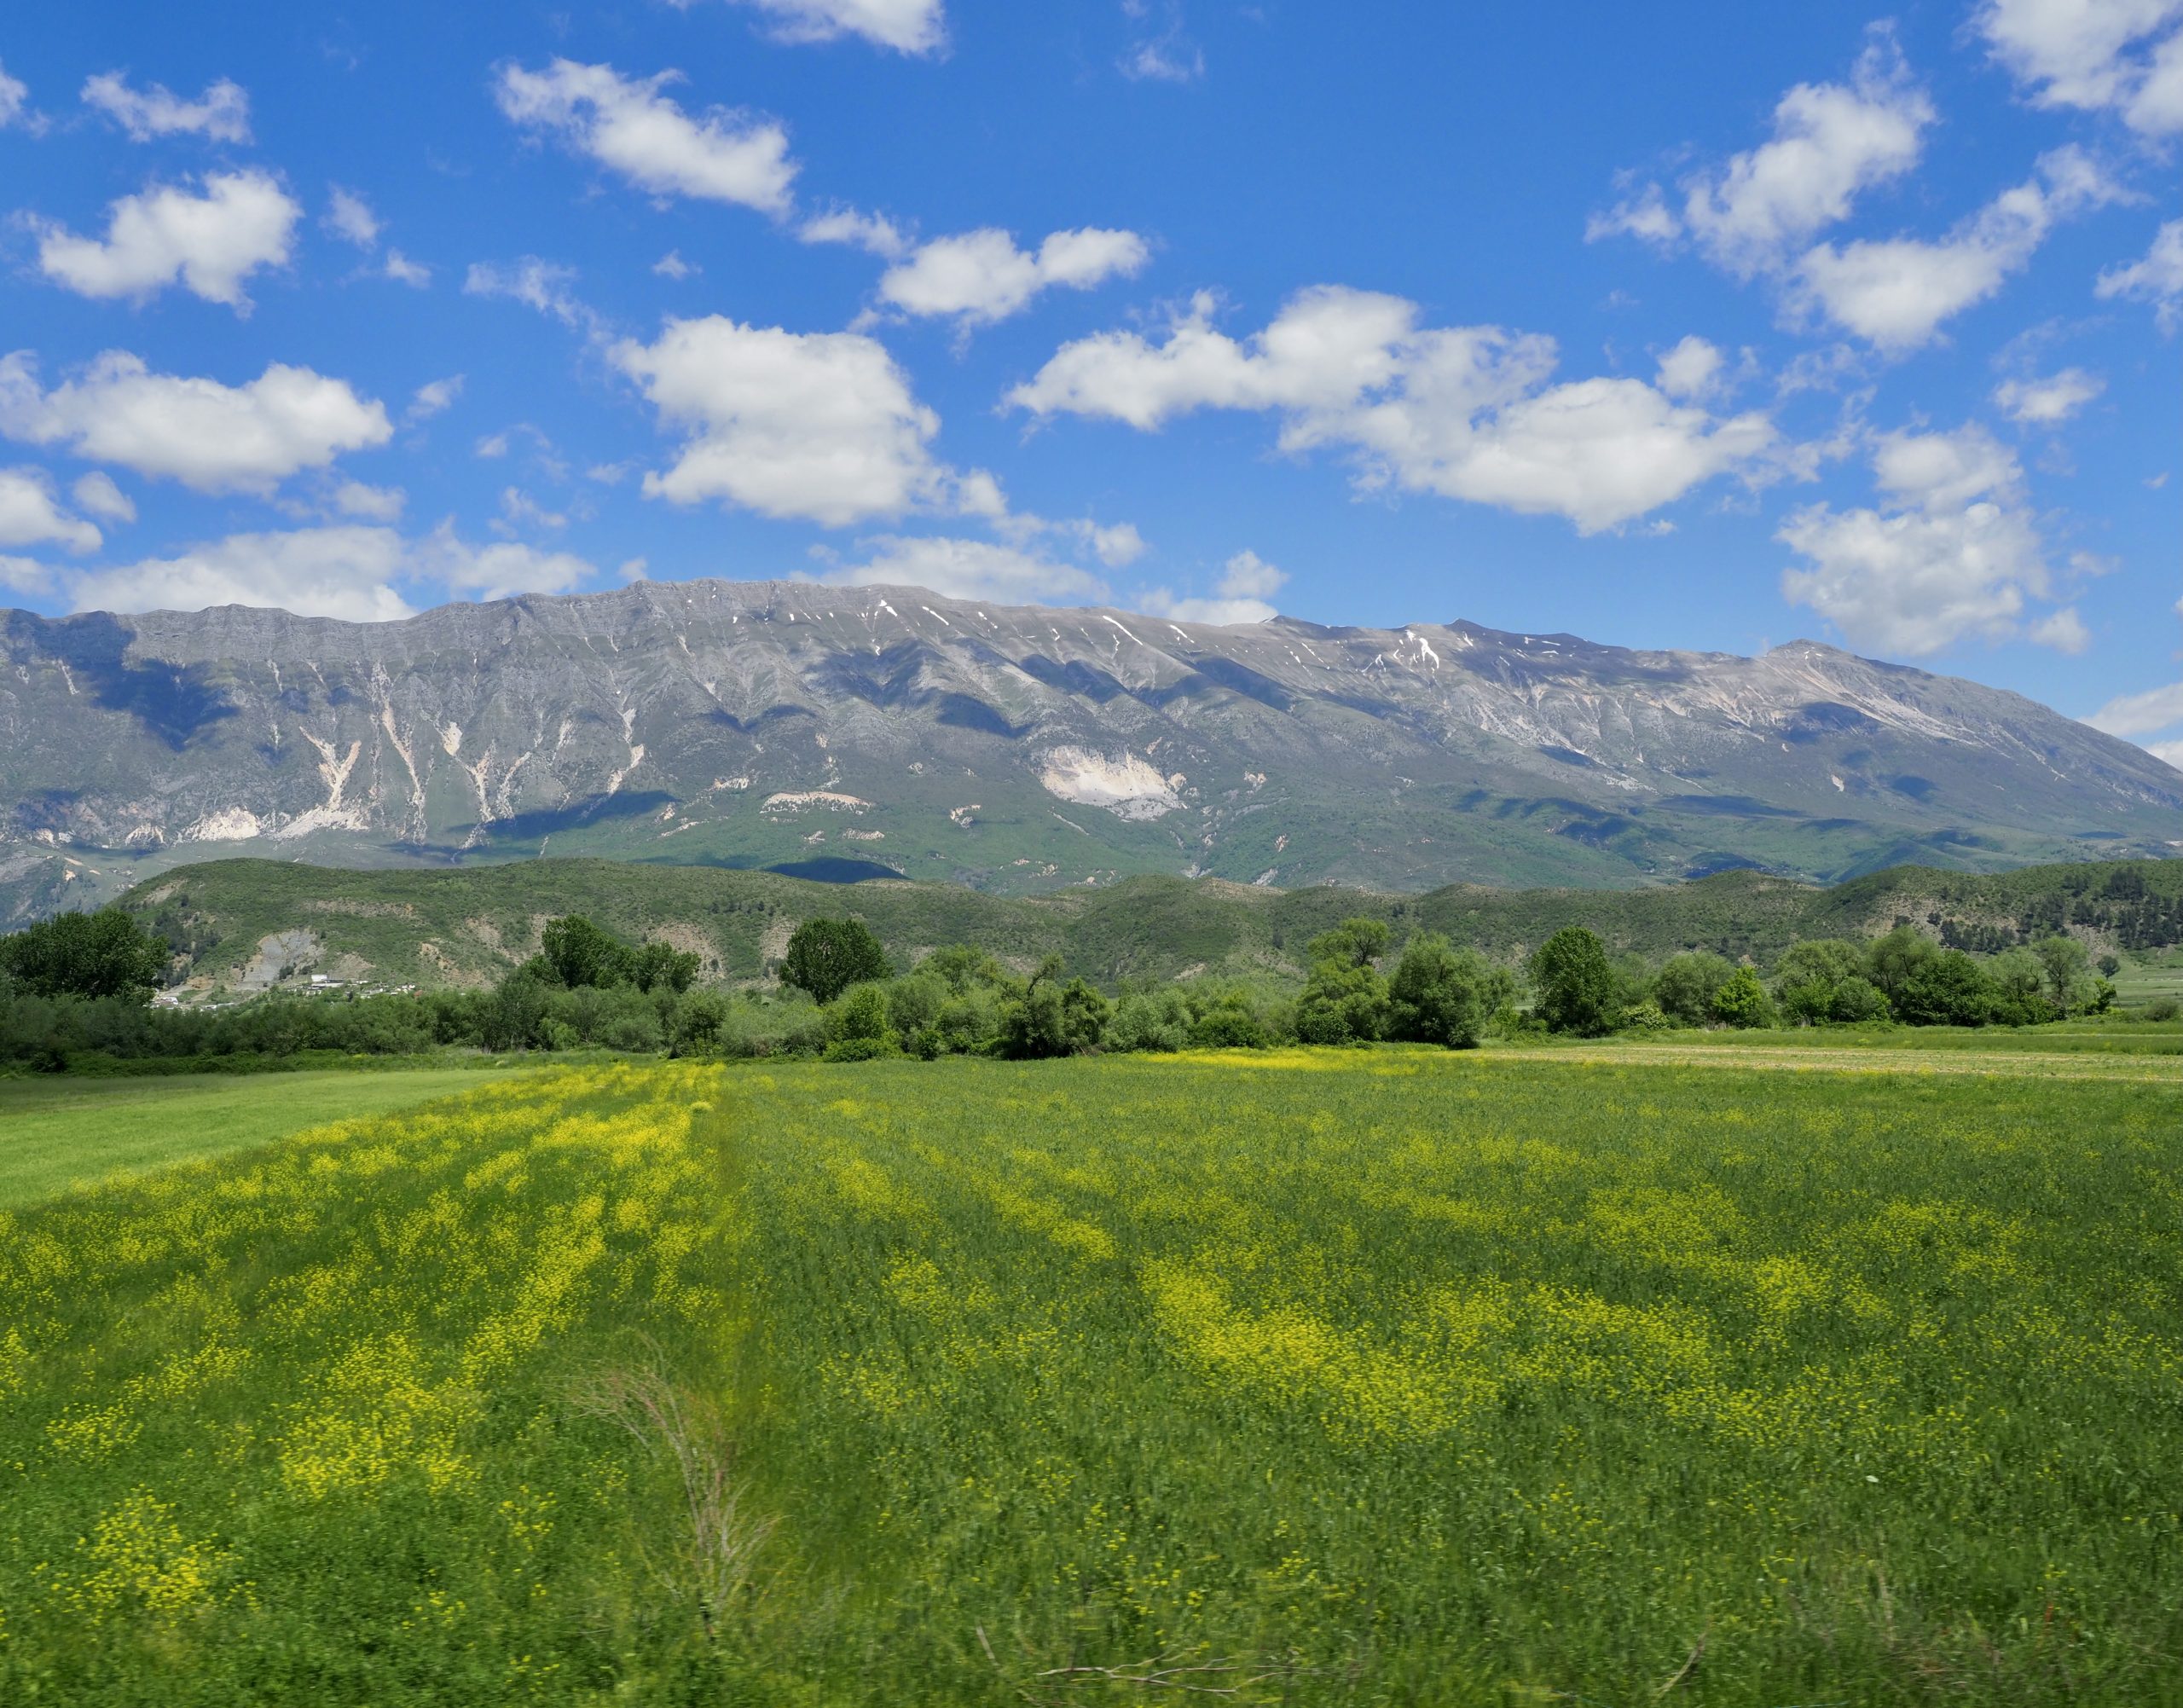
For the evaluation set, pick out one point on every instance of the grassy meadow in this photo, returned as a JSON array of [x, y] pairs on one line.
[[56, 1132], [1305, 1377]]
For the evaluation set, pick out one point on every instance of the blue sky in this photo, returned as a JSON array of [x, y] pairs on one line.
[[1703, 326]]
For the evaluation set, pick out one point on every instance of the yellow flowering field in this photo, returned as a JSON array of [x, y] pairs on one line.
[[1311, 1377]]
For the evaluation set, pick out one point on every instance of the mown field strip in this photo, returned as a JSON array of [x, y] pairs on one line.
[[56, 1133], [2006, 1064]]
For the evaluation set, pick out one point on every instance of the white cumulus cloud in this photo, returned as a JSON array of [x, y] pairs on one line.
[[1952, 551], [221, 114], [873, 233], [349, 218], [821, 426], [628, 126], [210, 242], [536, 284], [2156, 279], [1464, 412], [31, 514], [2138, 715], [96, 492], [345, 572], [434, 397], [970, 569], [1246, 582], [355, 571], [2045, 403], [1895, 293], [909, 26], [981, 276], [207, 435], [15, 102], [1831, 142], [2124, 56]]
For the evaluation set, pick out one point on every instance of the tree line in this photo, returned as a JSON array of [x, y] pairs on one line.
[[76, 990]]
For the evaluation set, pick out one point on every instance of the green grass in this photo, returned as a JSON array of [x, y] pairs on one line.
[[1359, 1378], [69, 1131]]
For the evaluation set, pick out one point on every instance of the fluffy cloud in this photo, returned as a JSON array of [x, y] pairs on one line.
[[346, 572], [2137, 714], [536, 284], [1952, 551], [1164, 55], [820, 426], [2046, 403], [352, 572], [221, 114], [2157, 279], [981, 276], [14, 101], [628, 126], [970, 568], [2064, 630], [1691, 369], [1896, 292], [2125, 56], [1247, 581], [96, 493], [433, 397], [30, 514], [496, 571], [1831, 142], [369, 503], [873, 233], [349, 218], [1464, 412], [909, 26], [211, 243], [212, 437]]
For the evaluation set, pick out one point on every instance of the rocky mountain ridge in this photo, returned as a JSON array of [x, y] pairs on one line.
[[848, 731]]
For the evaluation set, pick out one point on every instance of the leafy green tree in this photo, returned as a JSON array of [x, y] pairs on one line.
[[1685, 988], [1228, 1019], [1441, 994], [826, 957], [1859, 1002], [1573, 985], [860, 1012], [1948, 988], [101, 954], [1355, 942], [1344, 1000], [663, 967], [2068, 967], [2020, 977], [1742, 1002], [1893, 960], [582, 957], [1052, 1019], [1157, 1021]]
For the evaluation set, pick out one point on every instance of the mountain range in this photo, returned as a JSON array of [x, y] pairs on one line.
[[843, 733]]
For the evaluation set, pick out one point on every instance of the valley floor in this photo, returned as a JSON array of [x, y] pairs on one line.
[[1594, 1372]]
